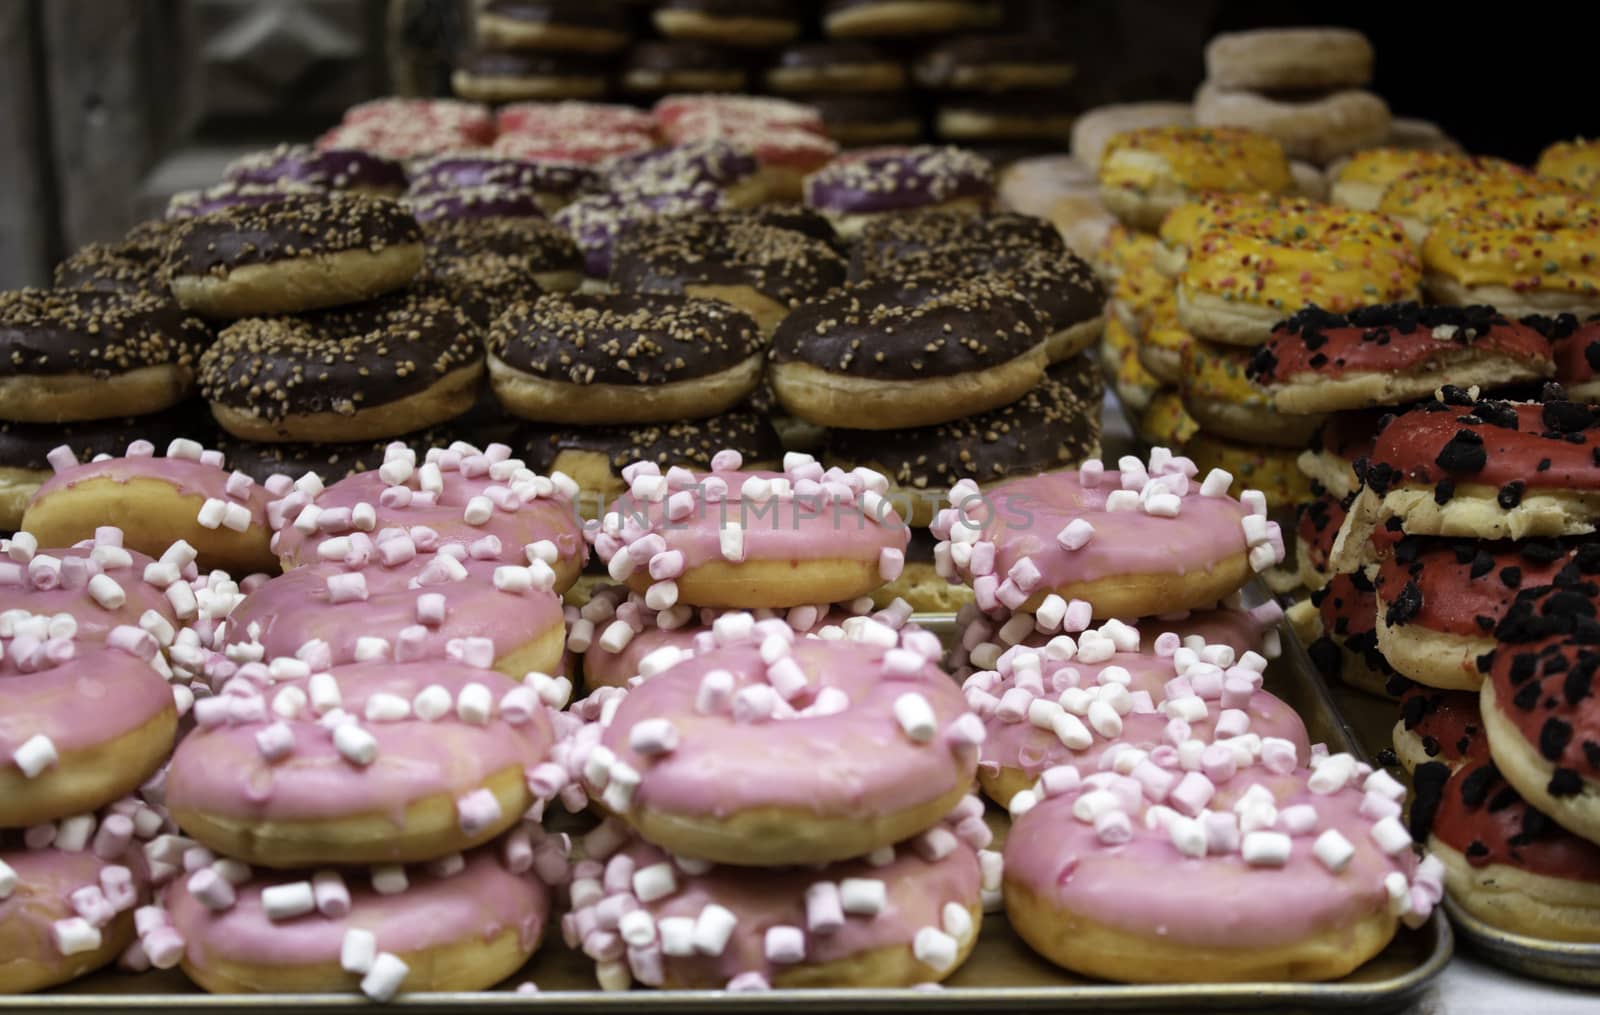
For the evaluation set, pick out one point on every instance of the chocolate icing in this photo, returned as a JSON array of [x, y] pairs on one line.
[[827, 55], [291, 227], [939, 66], [690, 444], [616, 338], [910, 330], [328, 168], [132, 264], [577, 13], [668, 56], [340, 360], [666, 255], [100, 334], [25, 445], [530, 63], [489, 263], [193, 203]]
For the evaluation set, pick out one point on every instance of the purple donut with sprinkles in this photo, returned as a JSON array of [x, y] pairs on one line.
[[327, 169], [852, 189]]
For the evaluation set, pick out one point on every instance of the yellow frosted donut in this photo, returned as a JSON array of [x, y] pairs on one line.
[[1124, 250], [1146, 173], [1421, 199], [1119, 355], [1142, 297], [1226, 403], [1534, 256], [1573, 162], [1359, 182], [1165, 423], [1162, 344], [1290, 220]]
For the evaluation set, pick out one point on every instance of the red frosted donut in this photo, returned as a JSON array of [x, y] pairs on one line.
[[1299, 876], [674, 110], [455, 496], [554, 119], [1317, 526], [1508, 864], [1438, 601], [736, 539], [1138, 542], [368, 763], [1343, 438], [387, 601], [841, 744], [187, 496], [1113, 707], [1443, 727], [69, 895], [579, 147], [1348, 648], [467, 118], [1538, 701], [1386, 355], [462, 922], [903, 915], [1576, 345]]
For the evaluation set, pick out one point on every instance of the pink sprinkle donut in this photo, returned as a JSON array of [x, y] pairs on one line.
[[616, 631], [420, 607], [757, 539], [776, 749], [1145, 540], [903, 915], [1295, 876], [458, 495], [462, 922], [1047, 707], [554, 119], [82, 722], [66, 581], [188, 495], [368, 763]]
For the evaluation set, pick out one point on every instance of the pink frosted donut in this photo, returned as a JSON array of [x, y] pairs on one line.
[[368, 763], [1138, 542], [616, 630], [386, 601], [756, 539], [1264, 876], [462, 922], [776, 749], [1049, 706], [900, 916], [187, 495], [69, 896], [456, 495], [82, 722], [63, 581]]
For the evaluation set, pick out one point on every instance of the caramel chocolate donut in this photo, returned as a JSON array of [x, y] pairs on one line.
[[905, 915], [462, 923], [1221, 398], [69, 908], [760, 269], [1572, 162], [491, 263], [658, 67], [188, 204], [1576, 347], [853, 19], [1347, 650], [132, 264], [613, 358], [1439, 727], [1319, 126], [1041, 118], [595, 457], [844, 67], [1538, 261], [754, 23], [1147, 172], [1479, 470], [1387, 355], [328, 462], [1317, 524], [994, 63], [1536, 701], [561, 25], [186, 497], [25, 448], [881, 181], [553, 183], [884, 242], [914, 354], [1439, 601], [803, 797], [508, 75], [1508, 864], [354, 373], [796, 218], [873, 118], [79, 354], [1056, 425], [324, 168], [1343, 439], [296, 253], [1275, 59]]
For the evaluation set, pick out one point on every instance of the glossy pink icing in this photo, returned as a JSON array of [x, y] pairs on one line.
[[94, 620], [46, 878], [191, 479], [1146, 886], [98, 695], [1241, 630], [295, 608], [220, 770], [858, 761], [479, 902]]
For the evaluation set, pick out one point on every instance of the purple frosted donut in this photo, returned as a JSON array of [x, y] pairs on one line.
[[554, 182], [596, 222], [327, 169], [685, 170], [476, 203], [896, 179], [193, 203]]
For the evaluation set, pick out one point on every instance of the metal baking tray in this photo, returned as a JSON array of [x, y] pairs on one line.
[[1002, 975], [1371, 720]]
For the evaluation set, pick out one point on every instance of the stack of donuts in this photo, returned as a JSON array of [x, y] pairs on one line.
[[364, 742], [1129, 751]]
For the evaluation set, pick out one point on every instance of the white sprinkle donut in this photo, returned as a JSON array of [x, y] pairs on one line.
[[760, 539], [1318, 130], [460, 922], [902, 915], [1289, 58], [790, 716], [368, 763], [1262, 876]]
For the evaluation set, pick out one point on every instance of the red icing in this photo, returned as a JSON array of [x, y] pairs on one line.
[[1346, 350], [1412, 443], [1501, 828], [1454, 597], [1318, 527], [1550, 703], [1448, 722], [1572, 353]]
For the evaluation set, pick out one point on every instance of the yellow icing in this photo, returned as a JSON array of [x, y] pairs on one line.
[[1292, 220], [1125, 250], [1166, 422], [1382, 166], [1121, 352], [1216, 372], [1573, 162], [1430, 196], [1554, 252], [1287, 276], [1197, 158]]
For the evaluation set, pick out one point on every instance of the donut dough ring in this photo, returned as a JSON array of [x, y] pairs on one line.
[[552, 401], [66, 398], [1530, 774], [302, 283], [451, 396]]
